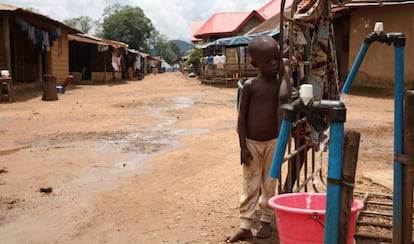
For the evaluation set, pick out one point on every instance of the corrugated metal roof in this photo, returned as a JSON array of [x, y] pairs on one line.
[[144, 55], [238, 40], [274, 21], [272, 8], [368, 3], [269, 24], [194, 26], [28, 14], [8, 7], [376, 2], [95, 40], [226, 23]]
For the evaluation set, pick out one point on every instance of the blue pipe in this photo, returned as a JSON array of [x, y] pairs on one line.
[[280, 149], [333, 194], [398, 142], [355, 67]]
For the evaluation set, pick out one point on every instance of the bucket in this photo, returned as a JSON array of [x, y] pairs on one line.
[[49, 88], [300, 217]]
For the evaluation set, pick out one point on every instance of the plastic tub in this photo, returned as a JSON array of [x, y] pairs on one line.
[[300, 217]]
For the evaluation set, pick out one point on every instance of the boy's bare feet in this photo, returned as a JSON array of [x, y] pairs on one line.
[[265, 231], [240, 234]]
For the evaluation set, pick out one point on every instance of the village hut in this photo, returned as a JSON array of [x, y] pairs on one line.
[[96, 59], [354, 21], [144, 63], [221, 62], [232, 45], [154, 64], [32, 45]]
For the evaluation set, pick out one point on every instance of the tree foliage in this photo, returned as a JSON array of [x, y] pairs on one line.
[[127, 24], [160, 46], [177, 50], [83, 23], [194, 57]]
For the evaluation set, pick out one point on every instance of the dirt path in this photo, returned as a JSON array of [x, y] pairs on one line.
[[151, 161]]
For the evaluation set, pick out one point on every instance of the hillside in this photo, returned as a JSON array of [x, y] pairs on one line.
[[185, 46]]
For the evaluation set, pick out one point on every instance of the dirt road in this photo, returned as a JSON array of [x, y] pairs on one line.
[[151, 161]]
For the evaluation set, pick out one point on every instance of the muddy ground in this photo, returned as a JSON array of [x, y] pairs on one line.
[[150, 161]]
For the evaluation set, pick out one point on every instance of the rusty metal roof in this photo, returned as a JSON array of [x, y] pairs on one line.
[[95, 40], [8, 7], [272, 8], [27, 15], [368, 3], [365, 3]]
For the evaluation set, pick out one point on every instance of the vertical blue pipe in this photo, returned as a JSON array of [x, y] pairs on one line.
[[398, 143], [280, 149], [333, 194], [355, 67]]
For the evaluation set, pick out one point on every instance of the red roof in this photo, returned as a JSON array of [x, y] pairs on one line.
[[194, 26], [272, 8], [227, 23]]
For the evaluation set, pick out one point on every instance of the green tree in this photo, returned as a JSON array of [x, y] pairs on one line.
[[177, 50], [156, 44], [194, 59], [172, 52], [159, 45], [127, 24], [83, 23]]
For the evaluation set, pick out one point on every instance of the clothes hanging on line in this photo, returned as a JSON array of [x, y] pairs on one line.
[[42, 39]]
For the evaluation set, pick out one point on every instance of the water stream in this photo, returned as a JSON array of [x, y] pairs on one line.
[[322, 147]]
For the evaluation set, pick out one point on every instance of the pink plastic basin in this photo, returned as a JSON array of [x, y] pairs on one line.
[[300, 219]]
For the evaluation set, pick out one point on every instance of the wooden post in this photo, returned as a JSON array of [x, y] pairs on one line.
[[239, 64], [6, 41], [408, 167], [225, 67], [350, 159], [40, 67], [245, 63], [202, 65], [105, 74]]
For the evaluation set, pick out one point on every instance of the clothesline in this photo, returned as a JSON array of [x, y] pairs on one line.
[[41, 38]]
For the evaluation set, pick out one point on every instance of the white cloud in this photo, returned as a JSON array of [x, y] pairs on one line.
[[170, 17]]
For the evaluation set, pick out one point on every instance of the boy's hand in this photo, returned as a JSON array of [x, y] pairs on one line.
[[245, 156]]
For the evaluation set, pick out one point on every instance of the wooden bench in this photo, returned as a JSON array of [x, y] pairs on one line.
[[9, 82]]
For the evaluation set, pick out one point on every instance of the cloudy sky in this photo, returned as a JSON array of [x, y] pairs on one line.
[[171, 17]]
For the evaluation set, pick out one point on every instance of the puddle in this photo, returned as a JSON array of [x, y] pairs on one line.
[[116, 154], [141, 146], [182, 102], [129, 149]]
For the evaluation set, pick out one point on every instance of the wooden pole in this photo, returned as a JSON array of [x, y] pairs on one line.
[[350, 159], [6, 41], [239, 60], [105, 74], [202, 65], [225, 67], [408, 167]]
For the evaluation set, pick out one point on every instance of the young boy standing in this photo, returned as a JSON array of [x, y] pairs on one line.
[[258, 131]]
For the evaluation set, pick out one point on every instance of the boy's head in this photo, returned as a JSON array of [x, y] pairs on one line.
[[264, 52]]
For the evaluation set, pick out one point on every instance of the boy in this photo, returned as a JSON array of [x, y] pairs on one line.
[[258, 130]]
